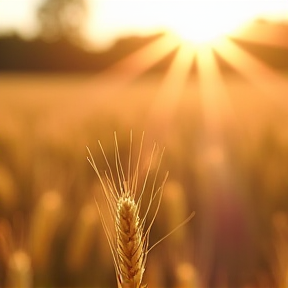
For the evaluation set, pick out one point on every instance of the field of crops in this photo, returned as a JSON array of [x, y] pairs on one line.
[[230, 166]]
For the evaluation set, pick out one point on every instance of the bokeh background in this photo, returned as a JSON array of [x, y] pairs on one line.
[[220, 109]]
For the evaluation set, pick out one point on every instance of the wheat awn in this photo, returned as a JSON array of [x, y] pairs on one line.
[[128, 238]]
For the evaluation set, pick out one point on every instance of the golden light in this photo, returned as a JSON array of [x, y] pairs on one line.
[[197, 21], [194, 26], [205, 21]]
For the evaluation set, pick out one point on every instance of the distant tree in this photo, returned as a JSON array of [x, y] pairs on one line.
[[62, 19]]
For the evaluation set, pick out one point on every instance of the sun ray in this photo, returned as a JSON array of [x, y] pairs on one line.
[[177, 74], [263, 34], [215, 99], [171, 88], [174, 80], [268, 81], [141, 60], [218, 112], [123, 72]]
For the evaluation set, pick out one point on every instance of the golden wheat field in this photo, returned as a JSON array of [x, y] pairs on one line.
[[227, 160]]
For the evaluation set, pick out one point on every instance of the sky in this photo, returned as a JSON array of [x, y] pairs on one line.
[[110, 19], [18, 15]]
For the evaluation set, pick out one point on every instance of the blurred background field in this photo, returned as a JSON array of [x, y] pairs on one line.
[[238, 187], [223, 124]]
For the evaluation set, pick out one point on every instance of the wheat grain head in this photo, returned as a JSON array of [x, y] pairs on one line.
[[128, 237]]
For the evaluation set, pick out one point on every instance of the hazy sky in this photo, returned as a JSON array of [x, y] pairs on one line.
[[18, 15], [110, 18]]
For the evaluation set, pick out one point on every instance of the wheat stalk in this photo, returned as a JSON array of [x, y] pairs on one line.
[[127, 237]]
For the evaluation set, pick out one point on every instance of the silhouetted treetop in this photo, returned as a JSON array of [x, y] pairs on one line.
[[62, 19]]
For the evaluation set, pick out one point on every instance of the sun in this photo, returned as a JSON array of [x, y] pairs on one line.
[[202, 21], [195, 21]]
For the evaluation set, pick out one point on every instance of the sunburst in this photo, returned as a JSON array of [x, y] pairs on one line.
[[199, 30]]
